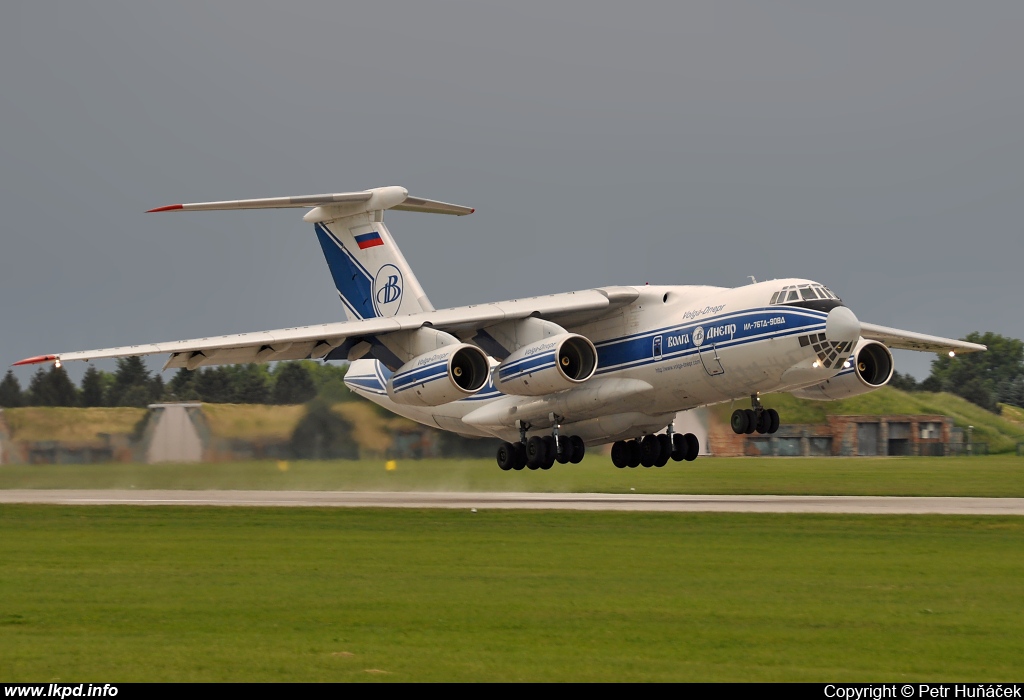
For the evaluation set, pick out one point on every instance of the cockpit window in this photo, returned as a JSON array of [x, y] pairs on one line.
[[805, 292]]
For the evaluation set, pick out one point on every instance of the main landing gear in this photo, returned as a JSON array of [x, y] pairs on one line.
[[655, 450], [755, 419], [540, 452]]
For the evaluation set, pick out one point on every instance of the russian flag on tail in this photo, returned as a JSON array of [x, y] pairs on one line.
[[368, 240]]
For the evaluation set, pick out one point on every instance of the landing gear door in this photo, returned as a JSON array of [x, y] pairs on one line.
[[708, 353]]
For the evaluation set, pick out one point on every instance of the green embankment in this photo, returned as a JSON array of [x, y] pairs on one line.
[[1014, 414], [101, 594], [74, 425], [996, 476], [252, 421]]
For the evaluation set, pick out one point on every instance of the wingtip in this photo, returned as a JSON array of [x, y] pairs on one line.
[[170, 207], [38, 359]]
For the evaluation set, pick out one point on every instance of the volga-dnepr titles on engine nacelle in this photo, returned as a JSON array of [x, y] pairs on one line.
[[871, 367], [441, 376], [546, 366]]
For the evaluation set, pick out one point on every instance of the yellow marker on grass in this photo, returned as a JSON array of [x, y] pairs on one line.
[[391, 465]]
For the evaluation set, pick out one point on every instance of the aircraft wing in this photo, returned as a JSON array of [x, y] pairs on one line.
[[908, 340], [319, 341]]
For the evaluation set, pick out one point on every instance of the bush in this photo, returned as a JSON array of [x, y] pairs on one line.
[[323, 434]]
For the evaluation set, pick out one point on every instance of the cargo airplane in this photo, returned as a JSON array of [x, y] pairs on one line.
[[551, 375]]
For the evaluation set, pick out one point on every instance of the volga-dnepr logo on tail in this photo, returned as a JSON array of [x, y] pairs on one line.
[[387, 290]]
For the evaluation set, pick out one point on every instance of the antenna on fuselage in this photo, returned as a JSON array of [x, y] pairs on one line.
[[752, 280]]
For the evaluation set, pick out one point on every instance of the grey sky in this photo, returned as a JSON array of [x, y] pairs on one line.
[[876, 147]]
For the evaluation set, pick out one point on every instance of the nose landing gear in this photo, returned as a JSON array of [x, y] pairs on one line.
[[755, 419]]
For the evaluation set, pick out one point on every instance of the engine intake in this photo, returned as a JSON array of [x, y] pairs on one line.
[[447, 374], [871, 367], [546, 366], [874, 364]]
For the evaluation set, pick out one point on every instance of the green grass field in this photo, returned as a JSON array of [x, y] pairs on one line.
[[998, 475], [106, 594]]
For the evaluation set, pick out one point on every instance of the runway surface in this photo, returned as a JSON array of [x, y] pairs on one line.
[[530, 501]]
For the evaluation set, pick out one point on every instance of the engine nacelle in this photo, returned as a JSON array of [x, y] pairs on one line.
[[447, 374], [546, 366], [871, 368]]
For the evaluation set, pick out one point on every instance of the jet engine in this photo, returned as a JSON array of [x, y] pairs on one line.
[[553, 364], [869, 368], [447, 374]]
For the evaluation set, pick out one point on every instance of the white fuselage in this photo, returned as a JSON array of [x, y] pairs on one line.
[[671, 349]]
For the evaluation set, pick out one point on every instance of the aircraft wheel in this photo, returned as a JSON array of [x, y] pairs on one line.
[[506, 456], [692, 447], [751, 420], [633, 450], [564, 455], [739, 421], [536, 452], [578, 449], [764, 422], [520, 452], [620, 454], [678, 447], [650, 450], [774, 427], [552, 452], [665, 442]]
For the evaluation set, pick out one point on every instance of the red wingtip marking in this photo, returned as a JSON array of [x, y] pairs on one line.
[[472, 210], [35, 360], [171, 207]]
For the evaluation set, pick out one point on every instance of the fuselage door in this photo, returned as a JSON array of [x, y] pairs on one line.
[[709, 358], [657, 348]]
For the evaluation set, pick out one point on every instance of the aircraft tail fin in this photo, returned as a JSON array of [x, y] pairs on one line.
[[370, 273]]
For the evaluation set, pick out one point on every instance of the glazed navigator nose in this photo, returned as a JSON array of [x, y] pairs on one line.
[[842, 325]]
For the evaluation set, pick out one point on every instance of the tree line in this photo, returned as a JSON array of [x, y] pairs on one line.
[[131, 384], [986, 379]]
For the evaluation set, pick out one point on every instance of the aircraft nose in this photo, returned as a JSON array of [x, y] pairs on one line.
[[842, 325]]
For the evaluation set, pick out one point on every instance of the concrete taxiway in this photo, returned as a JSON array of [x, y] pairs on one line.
[[891, 505]]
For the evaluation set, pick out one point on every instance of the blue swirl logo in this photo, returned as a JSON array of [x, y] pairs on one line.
[[387, 290]]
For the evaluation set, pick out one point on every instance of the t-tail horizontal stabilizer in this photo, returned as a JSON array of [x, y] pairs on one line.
[[326, 207], [372, 277]]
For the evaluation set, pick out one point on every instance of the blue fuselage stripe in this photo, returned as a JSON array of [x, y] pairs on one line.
[[637, 350], [724, 331]]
